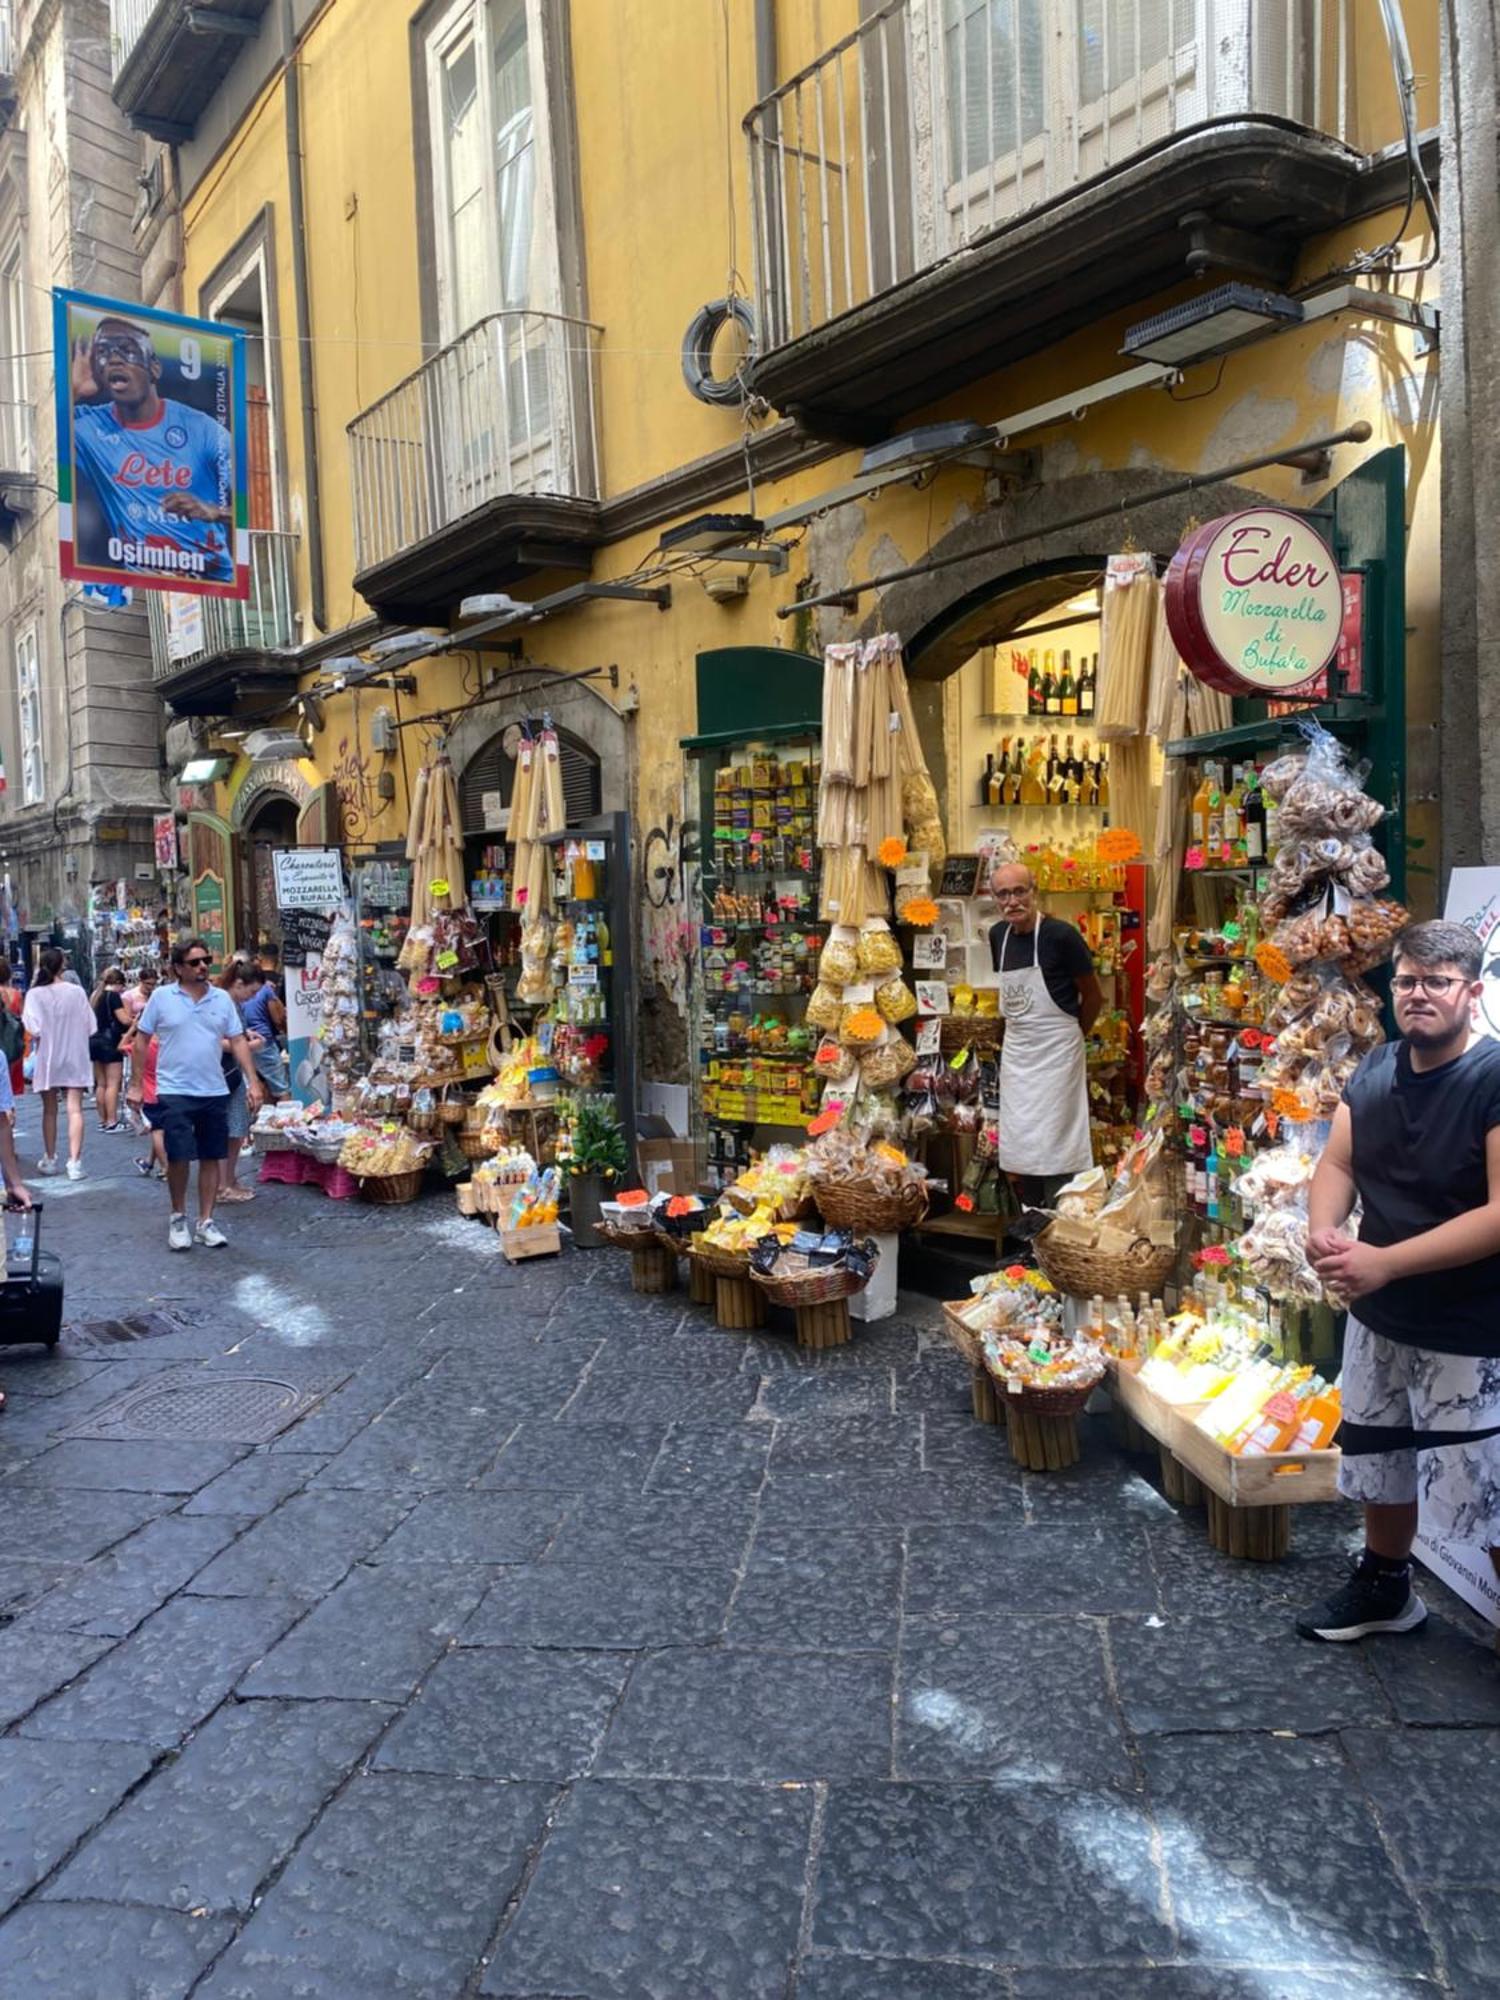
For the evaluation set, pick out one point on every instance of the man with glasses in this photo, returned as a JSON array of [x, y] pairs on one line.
[[1050, 998], [1417, 1142], [192, 1021]]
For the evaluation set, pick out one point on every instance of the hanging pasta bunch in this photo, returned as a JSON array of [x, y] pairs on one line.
[[1127, 634]]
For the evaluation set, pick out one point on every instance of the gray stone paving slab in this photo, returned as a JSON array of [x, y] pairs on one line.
[[897, 1979], [504, 1525], [665, 1396], [105, 1952], [1026, 1700], [816, 1588], [161, 1681], [691, 1891], [1208, 1671], [256, 1484], [983, 1568], [303, 1548], [113, 1593], [725, 1714], [44, 1371], [372, 1639], [1466, 1926], [164, 1465], [1443, 1827], [1218, 1982], [667, 1527], [53, 1794], [504, 1713], [36, 1661], [407, 1451], [711, 1461], [24, 1580], [1102, 1489], [821, 1443], [395, 1893], [1440, 1674], [607, 1604], [70, 1524], [212, 1825], [801, 1499], [1011, 1874], [578, 1457], [840, 1394], [1274, 1856]]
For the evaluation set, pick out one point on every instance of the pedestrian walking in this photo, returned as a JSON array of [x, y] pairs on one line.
[[265, 1015], [242, 981], [135, 999], [12, 1040], [112, 1020], [59, 1020], [192, 1020], [144, 1056], [1417, 1142]]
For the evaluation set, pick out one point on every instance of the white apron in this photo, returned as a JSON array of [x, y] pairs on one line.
[[1044, 1084]]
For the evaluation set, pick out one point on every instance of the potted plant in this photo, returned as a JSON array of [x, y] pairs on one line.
[[596, 1160]]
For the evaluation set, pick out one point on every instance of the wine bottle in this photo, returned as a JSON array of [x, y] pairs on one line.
[[987, 779], [1102, 772], [995, 777], [1016, 775], [1255, 819], [1035, 700], [1055, 772], [1090, 777], [1051, 699], [1071, 789], [1087, 687], [1067, 689]]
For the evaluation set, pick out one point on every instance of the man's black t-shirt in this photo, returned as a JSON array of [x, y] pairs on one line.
[[1061, 953], [1419, 1160]]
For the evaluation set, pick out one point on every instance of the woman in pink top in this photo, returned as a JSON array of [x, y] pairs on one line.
[[59, 1020]]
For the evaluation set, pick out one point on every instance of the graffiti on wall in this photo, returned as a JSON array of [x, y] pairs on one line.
[[669, 860], [350, 778]]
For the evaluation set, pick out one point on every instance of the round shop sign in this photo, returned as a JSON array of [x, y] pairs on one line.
[[1255, 602]]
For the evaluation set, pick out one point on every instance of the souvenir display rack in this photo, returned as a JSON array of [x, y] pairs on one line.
[[590, 1038]]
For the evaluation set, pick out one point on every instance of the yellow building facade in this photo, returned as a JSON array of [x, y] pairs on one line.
[[471, 266]]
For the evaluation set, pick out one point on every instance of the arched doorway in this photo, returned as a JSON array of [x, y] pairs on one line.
[[272, 825]]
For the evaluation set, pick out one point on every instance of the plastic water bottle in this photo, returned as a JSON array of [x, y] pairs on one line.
[[23, 1243]]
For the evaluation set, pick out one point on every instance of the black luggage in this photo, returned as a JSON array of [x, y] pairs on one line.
[[31, 1296]]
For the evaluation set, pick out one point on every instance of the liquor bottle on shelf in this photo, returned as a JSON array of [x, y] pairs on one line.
[[1214, 853], [1089, 783], [1015, 775], [1234, 814], [1198, 813], [1051, 699], [1033, 779], [996, 788], [1102, 770], [1087, 686], [1036, 703], [987, 780], [1054, 772], [1067, 687], [1072, 789], [1255, 819]]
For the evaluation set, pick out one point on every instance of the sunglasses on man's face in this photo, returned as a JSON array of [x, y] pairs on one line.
[[197, 961]]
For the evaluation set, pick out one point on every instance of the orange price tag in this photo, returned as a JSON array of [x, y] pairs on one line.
[[1287, 1104], [1273, 962], [633, 1198], [824, 1122], [965, 1202], [1117, 843], [1234, 1142]]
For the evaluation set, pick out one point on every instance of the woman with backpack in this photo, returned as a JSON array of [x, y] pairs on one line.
[[112, 1021], [59, 1020]]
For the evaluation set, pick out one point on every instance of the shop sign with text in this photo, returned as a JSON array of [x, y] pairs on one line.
[[1255, 603]]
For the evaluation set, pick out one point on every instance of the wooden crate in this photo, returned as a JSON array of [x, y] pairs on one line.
[[541, 1240], [1272, 1479], [1152, 1412], [964, 1340]]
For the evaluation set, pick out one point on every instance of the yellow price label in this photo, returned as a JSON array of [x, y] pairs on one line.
[[438, 888]]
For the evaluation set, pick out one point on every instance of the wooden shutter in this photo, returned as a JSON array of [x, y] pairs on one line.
[[212, 875], [318, 821], [258, 451]]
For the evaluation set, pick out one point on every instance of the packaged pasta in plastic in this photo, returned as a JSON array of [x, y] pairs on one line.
[[878, 950], [895, 999]]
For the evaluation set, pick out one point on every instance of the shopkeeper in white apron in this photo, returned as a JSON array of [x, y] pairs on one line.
[[1049, 998]]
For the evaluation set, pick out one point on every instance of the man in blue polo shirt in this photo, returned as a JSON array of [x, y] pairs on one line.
[[191, 1022]]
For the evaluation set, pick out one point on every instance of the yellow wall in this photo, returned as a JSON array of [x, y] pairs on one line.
[[659, 131]]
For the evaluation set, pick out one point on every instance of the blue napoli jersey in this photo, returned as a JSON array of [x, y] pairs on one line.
[[135, 468]]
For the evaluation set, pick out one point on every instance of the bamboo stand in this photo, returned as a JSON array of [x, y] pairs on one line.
[[738, 1304], [986, 1406], [1256, 1534], [826, 1325], [1040, 1444], [700, 1284], [1133, 1437], [653, 1268], [1178, 1483]]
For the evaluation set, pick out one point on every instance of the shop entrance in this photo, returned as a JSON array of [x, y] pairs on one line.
[[273, 826]]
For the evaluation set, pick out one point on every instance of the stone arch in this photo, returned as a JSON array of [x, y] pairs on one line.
[[574, 706]]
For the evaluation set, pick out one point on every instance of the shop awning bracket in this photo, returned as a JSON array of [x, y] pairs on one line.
[[1355, 433]]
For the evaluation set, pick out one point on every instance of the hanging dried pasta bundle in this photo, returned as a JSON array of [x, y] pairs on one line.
[[1127, 626], [838, 712], [1167, 675], [1131, 801]]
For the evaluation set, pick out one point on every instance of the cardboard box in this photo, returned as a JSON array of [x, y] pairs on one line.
[[1466, 1569], [668, 1166]]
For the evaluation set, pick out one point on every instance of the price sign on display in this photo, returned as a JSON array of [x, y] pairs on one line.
[[1255, 603], [1118, 843], [929, 953], [1273, 962], [929, 1038]]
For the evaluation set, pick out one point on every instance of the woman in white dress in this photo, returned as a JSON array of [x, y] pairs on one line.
[[59, 1020]]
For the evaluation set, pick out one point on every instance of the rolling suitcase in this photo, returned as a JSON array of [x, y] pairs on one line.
[[31, 1296]]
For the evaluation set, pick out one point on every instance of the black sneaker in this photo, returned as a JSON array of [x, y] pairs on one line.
[[1371, 1601]]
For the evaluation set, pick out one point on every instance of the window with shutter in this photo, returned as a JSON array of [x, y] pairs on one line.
[[492, 769]]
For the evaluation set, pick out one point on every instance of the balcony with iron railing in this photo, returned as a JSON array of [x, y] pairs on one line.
[[960, 182], [205, 651], [170, 56], [480, 468]]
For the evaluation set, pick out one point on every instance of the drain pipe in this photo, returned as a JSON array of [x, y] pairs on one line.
[[768, 249], [306, 379]]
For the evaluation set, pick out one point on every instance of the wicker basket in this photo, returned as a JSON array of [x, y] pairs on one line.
[[453, 1111], [813, 1285], [859, 1206], [963, 1337], [983, 1033], [1046, 1402], [475, 1145], [391, 1189], [1086, 1273], [721, 1263], [621, 1236]]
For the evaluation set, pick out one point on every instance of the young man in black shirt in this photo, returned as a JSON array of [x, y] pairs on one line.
[[1417, 1139]]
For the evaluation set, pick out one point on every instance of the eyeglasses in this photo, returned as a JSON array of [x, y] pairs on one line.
[[1010, 895], [122, 348], [1435, 984], [197, 961]]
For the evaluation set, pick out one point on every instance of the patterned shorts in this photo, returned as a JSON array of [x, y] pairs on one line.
[[1419, 1425]]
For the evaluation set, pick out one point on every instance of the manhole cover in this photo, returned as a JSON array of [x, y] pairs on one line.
[[217, 1409], [86, 1333]]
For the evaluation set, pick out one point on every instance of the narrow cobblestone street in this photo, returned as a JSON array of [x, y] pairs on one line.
[[568, 1647]]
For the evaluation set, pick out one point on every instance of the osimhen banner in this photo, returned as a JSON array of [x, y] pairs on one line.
[[151, 448]]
